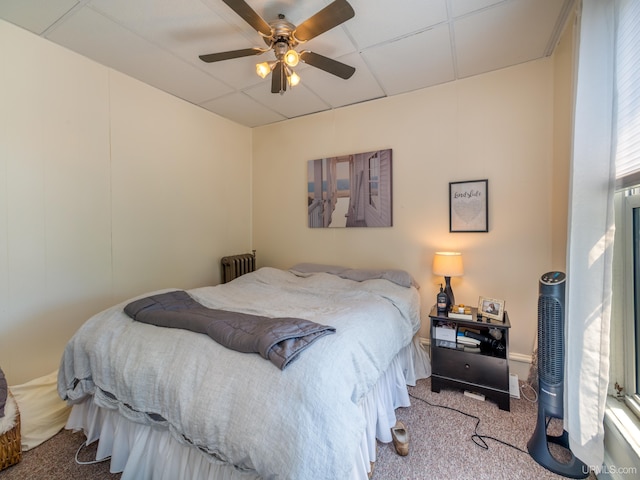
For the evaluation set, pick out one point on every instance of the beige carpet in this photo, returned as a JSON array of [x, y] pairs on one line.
[[441, 445]]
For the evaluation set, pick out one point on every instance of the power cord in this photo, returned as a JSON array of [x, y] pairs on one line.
[[524, 395], [92, 462], [476, 437]]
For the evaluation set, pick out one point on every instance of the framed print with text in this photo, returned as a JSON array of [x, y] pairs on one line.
[[469, 206]]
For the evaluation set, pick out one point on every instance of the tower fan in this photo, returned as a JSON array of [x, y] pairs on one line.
[[551, 378]]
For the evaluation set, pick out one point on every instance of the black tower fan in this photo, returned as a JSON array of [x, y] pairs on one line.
[[551, 378]]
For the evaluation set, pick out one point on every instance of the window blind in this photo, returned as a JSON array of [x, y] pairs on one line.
[[628, 94]]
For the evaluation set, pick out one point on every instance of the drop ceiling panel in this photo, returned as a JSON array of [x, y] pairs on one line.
[[338, 92], [97, 37], [495, 38], [413, 62], [462, 7], [395, 46], [178, 25], [243, 109], [383, 21], [295, 102], [35, 15]]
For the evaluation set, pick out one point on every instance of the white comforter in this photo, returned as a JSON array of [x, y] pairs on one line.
[[296, 424]]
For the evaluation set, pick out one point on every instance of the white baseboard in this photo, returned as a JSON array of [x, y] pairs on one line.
[[520, 364]]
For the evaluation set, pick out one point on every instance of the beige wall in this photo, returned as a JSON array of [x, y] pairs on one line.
[[498, 126], [563, 63], [108, 189]]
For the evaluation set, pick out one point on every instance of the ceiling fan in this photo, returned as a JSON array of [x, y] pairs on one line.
[[283, 37]]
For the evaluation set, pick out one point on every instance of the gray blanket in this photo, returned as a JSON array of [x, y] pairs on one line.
[[279, 340]]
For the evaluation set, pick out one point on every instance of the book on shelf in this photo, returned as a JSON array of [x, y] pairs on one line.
[[470, 313], [446, 344], [462, 338]]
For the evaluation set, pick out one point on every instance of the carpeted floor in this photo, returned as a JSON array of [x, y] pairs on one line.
[[441, 445]]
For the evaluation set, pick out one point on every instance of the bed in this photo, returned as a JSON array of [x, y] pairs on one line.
[[167, 403]]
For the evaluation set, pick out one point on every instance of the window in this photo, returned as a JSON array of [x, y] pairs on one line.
[[625, 351], [628, 270], [633, 205]]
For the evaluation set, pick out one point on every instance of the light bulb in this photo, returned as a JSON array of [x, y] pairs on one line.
[[263, 69], [291, 58], [294, 79]]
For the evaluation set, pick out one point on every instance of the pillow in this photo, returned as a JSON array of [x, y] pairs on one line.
[[399, 277], [306, 269]]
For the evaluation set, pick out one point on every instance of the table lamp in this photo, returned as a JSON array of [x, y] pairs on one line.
[[448, 264]]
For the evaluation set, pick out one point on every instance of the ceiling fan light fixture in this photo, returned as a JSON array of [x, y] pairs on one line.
[[263, 69], [294, 79], [282, 37], [291, 58]]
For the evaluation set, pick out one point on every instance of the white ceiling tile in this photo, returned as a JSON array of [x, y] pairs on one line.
[[383, 21], [177, 24], [495, 38], [239, 73], [413, 62], [243, 109], [294, 102], [462, 7], [395, 46], [337, 92], [35, 15], [191, 28], [97, 37]]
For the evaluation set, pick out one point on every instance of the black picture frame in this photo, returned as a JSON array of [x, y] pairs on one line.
[[469, 206]]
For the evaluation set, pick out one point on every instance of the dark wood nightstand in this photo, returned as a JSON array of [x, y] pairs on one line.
[[483, 369]]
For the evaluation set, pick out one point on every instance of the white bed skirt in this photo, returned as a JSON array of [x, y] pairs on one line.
[[144, 452]]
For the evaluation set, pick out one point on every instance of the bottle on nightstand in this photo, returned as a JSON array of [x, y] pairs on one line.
[[441, 301]]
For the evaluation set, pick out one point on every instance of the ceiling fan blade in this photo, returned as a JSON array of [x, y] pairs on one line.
[[217, 57], [330, 16], [278, 79], [250, 16], [327, 64]]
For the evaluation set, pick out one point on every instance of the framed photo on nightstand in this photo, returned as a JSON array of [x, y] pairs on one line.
[[491, 308]]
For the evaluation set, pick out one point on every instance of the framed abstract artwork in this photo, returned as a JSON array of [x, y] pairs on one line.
[[350, 190]]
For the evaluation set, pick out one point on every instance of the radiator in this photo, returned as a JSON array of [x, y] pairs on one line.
[[235, 265]]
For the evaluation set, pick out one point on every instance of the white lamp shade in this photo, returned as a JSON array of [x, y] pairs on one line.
[[291, 58], [294, 79], [263, 69], [448, 264]]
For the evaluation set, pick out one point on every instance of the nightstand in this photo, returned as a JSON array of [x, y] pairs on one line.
[[483, 369]]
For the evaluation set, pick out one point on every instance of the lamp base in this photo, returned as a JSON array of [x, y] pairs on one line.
[[449, 292]]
